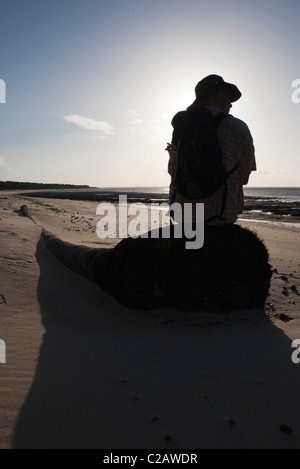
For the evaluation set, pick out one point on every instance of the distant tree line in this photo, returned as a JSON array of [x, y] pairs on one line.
[[6, 185]]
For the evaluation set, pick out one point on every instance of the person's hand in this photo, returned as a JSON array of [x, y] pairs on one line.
[[170, 147]]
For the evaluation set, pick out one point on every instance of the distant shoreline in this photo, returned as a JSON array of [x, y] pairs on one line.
[[15, 185], [256, 207]]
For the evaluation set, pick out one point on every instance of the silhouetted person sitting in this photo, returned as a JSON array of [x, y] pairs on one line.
[[215, 96]]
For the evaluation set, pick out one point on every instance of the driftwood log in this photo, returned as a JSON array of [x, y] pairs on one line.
[[230, 272], [24, 211]]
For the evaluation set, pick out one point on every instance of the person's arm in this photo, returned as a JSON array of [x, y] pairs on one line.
[[248, 163]]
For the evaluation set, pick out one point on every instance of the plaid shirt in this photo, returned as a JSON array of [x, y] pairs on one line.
[[237, 146]]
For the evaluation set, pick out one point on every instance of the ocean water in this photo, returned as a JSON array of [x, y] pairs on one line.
[[288, 194], [275, 202], [274, 199], [274, 205], [282, 194]]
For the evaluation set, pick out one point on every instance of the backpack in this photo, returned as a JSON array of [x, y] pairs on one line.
[[200, 170]]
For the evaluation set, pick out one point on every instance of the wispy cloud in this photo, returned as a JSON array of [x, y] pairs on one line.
[[133, 117], [87, 123], [141, 125], [133, 120], [267, 172], [4, 165]]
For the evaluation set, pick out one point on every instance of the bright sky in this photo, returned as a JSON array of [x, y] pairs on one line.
[[92, 85]]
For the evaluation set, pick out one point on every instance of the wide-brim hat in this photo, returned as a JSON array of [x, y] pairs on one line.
[[214, 83]]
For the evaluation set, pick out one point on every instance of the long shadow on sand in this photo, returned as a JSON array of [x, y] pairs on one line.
[[108, 381]]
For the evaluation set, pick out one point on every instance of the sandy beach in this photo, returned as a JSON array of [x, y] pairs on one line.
[[82, 371]]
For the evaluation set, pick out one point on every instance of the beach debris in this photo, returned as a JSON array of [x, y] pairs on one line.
[[283, 317], [295, 290], [285, 291], [24, 210], [2, 299], [284, 277], [286, 428]]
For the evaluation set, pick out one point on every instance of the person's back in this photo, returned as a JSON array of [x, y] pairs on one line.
[[237, 147]]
